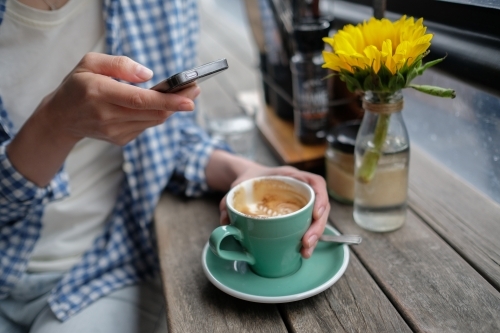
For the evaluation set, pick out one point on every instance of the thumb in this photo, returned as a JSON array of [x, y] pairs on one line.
[[118, 67], [224, 219]]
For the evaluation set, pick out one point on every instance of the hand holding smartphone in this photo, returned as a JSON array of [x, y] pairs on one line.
[[188, 78]]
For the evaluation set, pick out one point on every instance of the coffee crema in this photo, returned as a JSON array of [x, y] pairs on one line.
[[269, 198]]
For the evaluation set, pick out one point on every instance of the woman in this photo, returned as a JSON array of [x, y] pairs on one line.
[[84, 157]]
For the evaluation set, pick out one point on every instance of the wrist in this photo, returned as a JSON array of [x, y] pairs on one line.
[[39, 149], [239, 165], [224, 168], [46, 123]]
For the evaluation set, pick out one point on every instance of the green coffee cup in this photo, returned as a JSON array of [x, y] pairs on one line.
[[268, 217]]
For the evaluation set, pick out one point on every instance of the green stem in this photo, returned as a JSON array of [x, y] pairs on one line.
[[371, 156]]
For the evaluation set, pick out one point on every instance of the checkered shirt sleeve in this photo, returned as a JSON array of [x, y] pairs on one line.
[[161, 34], [21, 203]]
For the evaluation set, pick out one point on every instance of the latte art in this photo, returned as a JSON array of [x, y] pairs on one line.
[[269, 198], [266, 210]]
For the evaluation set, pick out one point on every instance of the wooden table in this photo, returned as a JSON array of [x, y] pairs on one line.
[[439, 273]]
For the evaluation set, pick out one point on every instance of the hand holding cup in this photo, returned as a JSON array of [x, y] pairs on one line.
[[269, 216]]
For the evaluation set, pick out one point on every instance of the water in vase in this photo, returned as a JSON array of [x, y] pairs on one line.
[[380, 205]]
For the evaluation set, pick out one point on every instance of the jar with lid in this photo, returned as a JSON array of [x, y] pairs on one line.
[[339, 159], [312, 93]]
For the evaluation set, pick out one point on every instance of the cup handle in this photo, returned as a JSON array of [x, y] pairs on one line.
[[222, 232]]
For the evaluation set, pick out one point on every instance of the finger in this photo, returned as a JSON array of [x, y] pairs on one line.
[[119, 114], [119, 67], [307, 253], [132, 97], [310, 238], [191, 92], [120, 133], [319, 186], [315, 230], [224, 218]]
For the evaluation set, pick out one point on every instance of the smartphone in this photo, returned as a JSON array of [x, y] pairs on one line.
[[188, 78]]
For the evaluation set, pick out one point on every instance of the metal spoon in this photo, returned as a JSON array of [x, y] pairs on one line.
[[342, 239]]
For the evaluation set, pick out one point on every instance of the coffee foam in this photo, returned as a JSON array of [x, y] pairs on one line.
[[268, 198]]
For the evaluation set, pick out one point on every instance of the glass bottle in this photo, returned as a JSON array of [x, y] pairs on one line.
[[339, 159], [381, 163], [311, 92]]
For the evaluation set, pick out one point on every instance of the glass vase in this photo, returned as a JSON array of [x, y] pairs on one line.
[[382, 154]]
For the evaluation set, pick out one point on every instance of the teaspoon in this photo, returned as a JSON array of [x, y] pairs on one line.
[[342, 239]]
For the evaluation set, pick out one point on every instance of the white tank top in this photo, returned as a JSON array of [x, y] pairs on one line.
[[37, 50]]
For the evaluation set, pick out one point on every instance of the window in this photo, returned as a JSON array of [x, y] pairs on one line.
[[480, 3], [464, 133]]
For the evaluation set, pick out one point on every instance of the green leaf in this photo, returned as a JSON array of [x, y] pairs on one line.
[[413, 73], [351, 87], [417, 63], [385, 75], [392, 83], [434, 91], [370, 84], [345, 72], [361, 75], [404, 68], [329, 76], [351, 82], [396, 82], [357, 69], [429, 64]]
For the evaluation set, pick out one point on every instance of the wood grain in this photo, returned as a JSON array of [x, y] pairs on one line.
[[433, 288], [352, 304], [465, 218], [193, 303], [434, 276], [280, 136]]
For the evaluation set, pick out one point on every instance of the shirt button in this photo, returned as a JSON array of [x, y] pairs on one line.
[[127, 167]]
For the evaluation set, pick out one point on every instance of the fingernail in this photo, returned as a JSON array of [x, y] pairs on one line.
[[143, 73], [186, 106], [196, 92], [311, 241], [310, 252], [321, 210]]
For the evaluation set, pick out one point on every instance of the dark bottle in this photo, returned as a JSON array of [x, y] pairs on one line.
[[312, 93], [277, 66]]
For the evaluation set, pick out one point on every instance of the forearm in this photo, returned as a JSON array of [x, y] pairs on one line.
[[224, 168], [38, 151]]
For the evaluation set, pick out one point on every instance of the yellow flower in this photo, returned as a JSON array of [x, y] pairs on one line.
[[383, 57], [377, 42]]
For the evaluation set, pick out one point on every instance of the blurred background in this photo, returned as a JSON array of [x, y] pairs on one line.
[[462, 134]]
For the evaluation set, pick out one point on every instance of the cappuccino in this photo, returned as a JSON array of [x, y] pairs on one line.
[[269, 198], [269, 216]]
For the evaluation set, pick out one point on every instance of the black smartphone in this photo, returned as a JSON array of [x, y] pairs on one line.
[[187, 78]]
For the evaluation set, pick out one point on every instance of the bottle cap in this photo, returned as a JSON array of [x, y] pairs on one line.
[[343, 136], [308, 35]]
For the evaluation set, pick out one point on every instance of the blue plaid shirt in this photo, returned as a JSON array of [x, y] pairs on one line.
[[160, 34]]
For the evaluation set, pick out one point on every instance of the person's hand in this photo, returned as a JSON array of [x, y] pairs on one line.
[[91, 103], [321, 205]]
